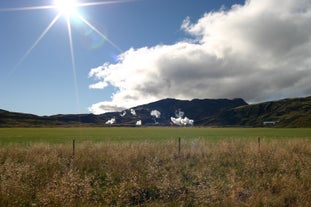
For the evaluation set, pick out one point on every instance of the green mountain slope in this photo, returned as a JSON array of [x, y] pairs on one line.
[[294, 112]]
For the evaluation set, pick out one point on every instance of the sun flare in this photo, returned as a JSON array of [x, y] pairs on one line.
[[69, 9], [66, 7]]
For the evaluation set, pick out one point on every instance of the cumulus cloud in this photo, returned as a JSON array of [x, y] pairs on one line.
[[99, 85], [106, 106], [257, 51]]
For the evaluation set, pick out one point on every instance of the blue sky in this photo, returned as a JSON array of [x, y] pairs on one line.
[[159, 48]]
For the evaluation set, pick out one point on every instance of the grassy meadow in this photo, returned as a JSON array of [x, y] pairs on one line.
[[123, 134], [143, 167]]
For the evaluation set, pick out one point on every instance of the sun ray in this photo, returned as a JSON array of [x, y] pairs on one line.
[[53, 6], [27, 8], [73, 62], [103, 3], [99, 33], [56, 6], [66, 10], [37, 41]]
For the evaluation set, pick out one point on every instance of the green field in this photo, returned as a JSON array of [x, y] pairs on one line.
[[66, 135]]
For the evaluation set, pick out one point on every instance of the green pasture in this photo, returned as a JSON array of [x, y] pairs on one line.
[[121, 134]]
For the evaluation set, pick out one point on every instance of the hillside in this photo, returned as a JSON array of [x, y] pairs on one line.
[[13, 119], [202, 112], [282, 113], [195, 109]]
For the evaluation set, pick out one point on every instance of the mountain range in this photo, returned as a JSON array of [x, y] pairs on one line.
[[295, 112]]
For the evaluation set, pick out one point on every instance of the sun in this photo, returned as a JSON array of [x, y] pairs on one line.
[[66, 7], [69, 9]]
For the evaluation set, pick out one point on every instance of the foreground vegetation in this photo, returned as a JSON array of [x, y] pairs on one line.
[[230, 172]]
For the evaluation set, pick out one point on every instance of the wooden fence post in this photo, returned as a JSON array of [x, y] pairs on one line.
[[258, 144]]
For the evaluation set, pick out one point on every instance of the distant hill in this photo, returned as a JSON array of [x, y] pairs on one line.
[[13, 119], [196, 109], [294, 112], [204, 112]]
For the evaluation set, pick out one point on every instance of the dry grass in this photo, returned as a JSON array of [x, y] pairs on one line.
[[228, 173]]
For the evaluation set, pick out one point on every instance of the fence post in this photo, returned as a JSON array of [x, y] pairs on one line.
[[258, 144]]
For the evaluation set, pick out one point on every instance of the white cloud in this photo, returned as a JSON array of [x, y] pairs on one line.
[[99, 85], [256, 51], [105, 106]]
